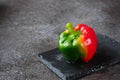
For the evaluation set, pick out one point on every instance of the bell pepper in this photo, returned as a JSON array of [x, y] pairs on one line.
[[79, 42]]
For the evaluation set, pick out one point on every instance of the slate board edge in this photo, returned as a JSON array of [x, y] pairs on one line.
[[51, 68], [60, 75]]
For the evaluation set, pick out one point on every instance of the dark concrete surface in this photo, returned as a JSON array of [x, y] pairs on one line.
[[29, 27]]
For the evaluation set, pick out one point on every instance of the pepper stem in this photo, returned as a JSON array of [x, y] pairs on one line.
[[69, 26]]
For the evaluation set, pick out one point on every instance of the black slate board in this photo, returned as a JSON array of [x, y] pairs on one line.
[[107, 54]]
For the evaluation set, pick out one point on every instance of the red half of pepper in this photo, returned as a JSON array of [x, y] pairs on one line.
[[79, 42]]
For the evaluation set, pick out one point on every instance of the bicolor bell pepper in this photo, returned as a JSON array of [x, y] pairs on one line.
[[79, 42]]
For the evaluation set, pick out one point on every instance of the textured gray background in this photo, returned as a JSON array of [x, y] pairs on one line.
[[29, 27]]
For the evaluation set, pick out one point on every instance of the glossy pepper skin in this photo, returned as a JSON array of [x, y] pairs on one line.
[[77, 43]]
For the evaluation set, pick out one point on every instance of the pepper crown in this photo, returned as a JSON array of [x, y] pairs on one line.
[[71, 30]]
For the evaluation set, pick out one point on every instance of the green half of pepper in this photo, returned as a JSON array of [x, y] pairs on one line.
[[69, 44]]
